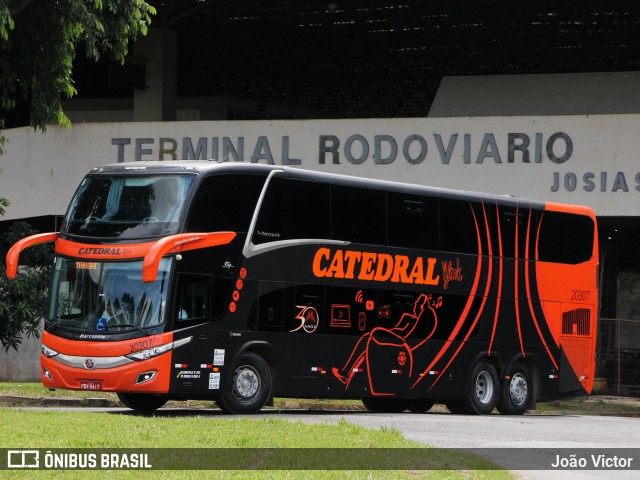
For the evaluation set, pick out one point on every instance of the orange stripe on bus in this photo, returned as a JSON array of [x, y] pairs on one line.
[[516, 285], [528, 290], [499, 294], [480, 310], [465, 312]]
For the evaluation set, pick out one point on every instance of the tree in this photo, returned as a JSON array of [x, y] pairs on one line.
[[24, 299], [38, 42]]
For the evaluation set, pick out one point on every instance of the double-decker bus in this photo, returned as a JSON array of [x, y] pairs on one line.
[[238, 282]]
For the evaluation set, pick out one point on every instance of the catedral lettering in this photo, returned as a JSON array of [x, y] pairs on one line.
[[238, 283], [99, 251], [377, 267]]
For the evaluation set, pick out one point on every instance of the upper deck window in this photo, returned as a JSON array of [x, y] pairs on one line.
[[566, 238], [127, 207], [225, 203]]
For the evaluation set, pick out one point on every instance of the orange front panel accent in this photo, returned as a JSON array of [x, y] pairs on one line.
[[117, 379], [152, 252], [104, 349], [102, 251], [567, 283]]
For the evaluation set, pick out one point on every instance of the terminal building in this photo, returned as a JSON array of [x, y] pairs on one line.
[[539, 101]]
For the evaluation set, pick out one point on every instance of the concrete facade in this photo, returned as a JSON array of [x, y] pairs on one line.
[[22, 365]]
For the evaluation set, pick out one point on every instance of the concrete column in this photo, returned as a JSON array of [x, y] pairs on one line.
[[157, 102]]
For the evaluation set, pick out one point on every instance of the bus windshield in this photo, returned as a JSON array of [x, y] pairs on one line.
[[127, 207], [89, 296]]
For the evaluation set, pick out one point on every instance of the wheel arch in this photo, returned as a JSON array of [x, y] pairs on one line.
[[259, 347], [494, 358]]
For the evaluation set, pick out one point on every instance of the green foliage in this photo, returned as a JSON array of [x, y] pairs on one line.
[[3, 141], [38, 43], [3, 201], [23, 303]]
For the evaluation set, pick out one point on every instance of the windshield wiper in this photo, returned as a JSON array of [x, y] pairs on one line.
[[129, 325], [69, 326]]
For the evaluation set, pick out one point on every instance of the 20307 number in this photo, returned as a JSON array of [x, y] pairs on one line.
[[580, 295], [143, 345]]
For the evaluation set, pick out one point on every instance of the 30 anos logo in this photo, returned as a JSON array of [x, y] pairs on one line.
[[23, 459], [309, 319]]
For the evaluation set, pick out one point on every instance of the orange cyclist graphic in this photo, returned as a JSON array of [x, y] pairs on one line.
[[395, 337]]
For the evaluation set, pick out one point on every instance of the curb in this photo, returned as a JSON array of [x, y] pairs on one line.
[[12, 400], [285, 405]]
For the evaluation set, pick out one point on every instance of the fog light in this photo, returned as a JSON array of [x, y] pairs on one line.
[[145, 377], [46, 373]]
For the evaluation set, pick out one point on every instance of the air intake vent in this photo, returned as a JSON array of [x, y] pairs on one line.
[[576, 322]]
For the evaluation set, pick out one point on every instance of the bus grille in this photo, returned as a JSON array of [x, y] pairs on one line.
[[576, 322]]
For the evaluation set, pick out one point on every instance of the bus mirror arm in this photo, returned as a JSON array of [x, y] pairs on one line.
[[179, 243], [14, 252]]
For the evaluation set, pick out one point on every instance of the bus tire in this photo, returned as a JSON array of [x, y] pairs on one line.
[[250, 387], [385, 404], [420, 405], [484, 389], [142, 402], [515, 392]]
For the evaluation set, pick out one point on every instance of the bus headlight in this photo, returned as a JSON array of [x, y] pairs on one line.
[[48, 352], [159, 350]]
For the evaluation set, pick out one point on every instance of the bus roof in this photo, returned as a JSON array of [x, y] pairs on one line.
[[205, 168]]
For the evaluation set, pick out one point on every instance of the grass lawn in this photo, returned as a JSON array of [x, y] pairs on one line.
[[77, 429]]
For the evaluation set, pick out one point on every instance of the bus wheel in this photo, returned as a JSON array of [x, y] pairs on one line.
[[142, 402], [250, 387], [483, 390], [420, 405], [515, 392], [385, 404]]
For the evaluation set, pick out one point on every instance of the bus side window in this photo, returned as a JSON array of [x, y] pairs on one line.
[[413, 221], [457, 225], [565, 238], [359, 215], [220, 293], [193, 298], [293, 209], [225, 203]]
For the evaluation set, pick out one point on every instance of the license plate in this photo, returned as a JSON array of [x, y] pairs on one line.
[[90, 385]]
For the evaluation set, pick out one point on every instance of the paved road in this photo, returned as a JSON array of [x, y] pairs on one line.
[[497, 431], [445, 430]]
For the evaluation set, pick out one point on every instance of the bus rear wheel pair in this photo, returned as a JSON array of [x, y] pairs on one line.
[[484, 389], [486, 392]]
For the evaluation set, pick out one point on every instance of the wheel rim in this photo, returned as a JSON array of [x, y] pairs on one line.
[[246, 383], [484, 387], [518, 389]]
